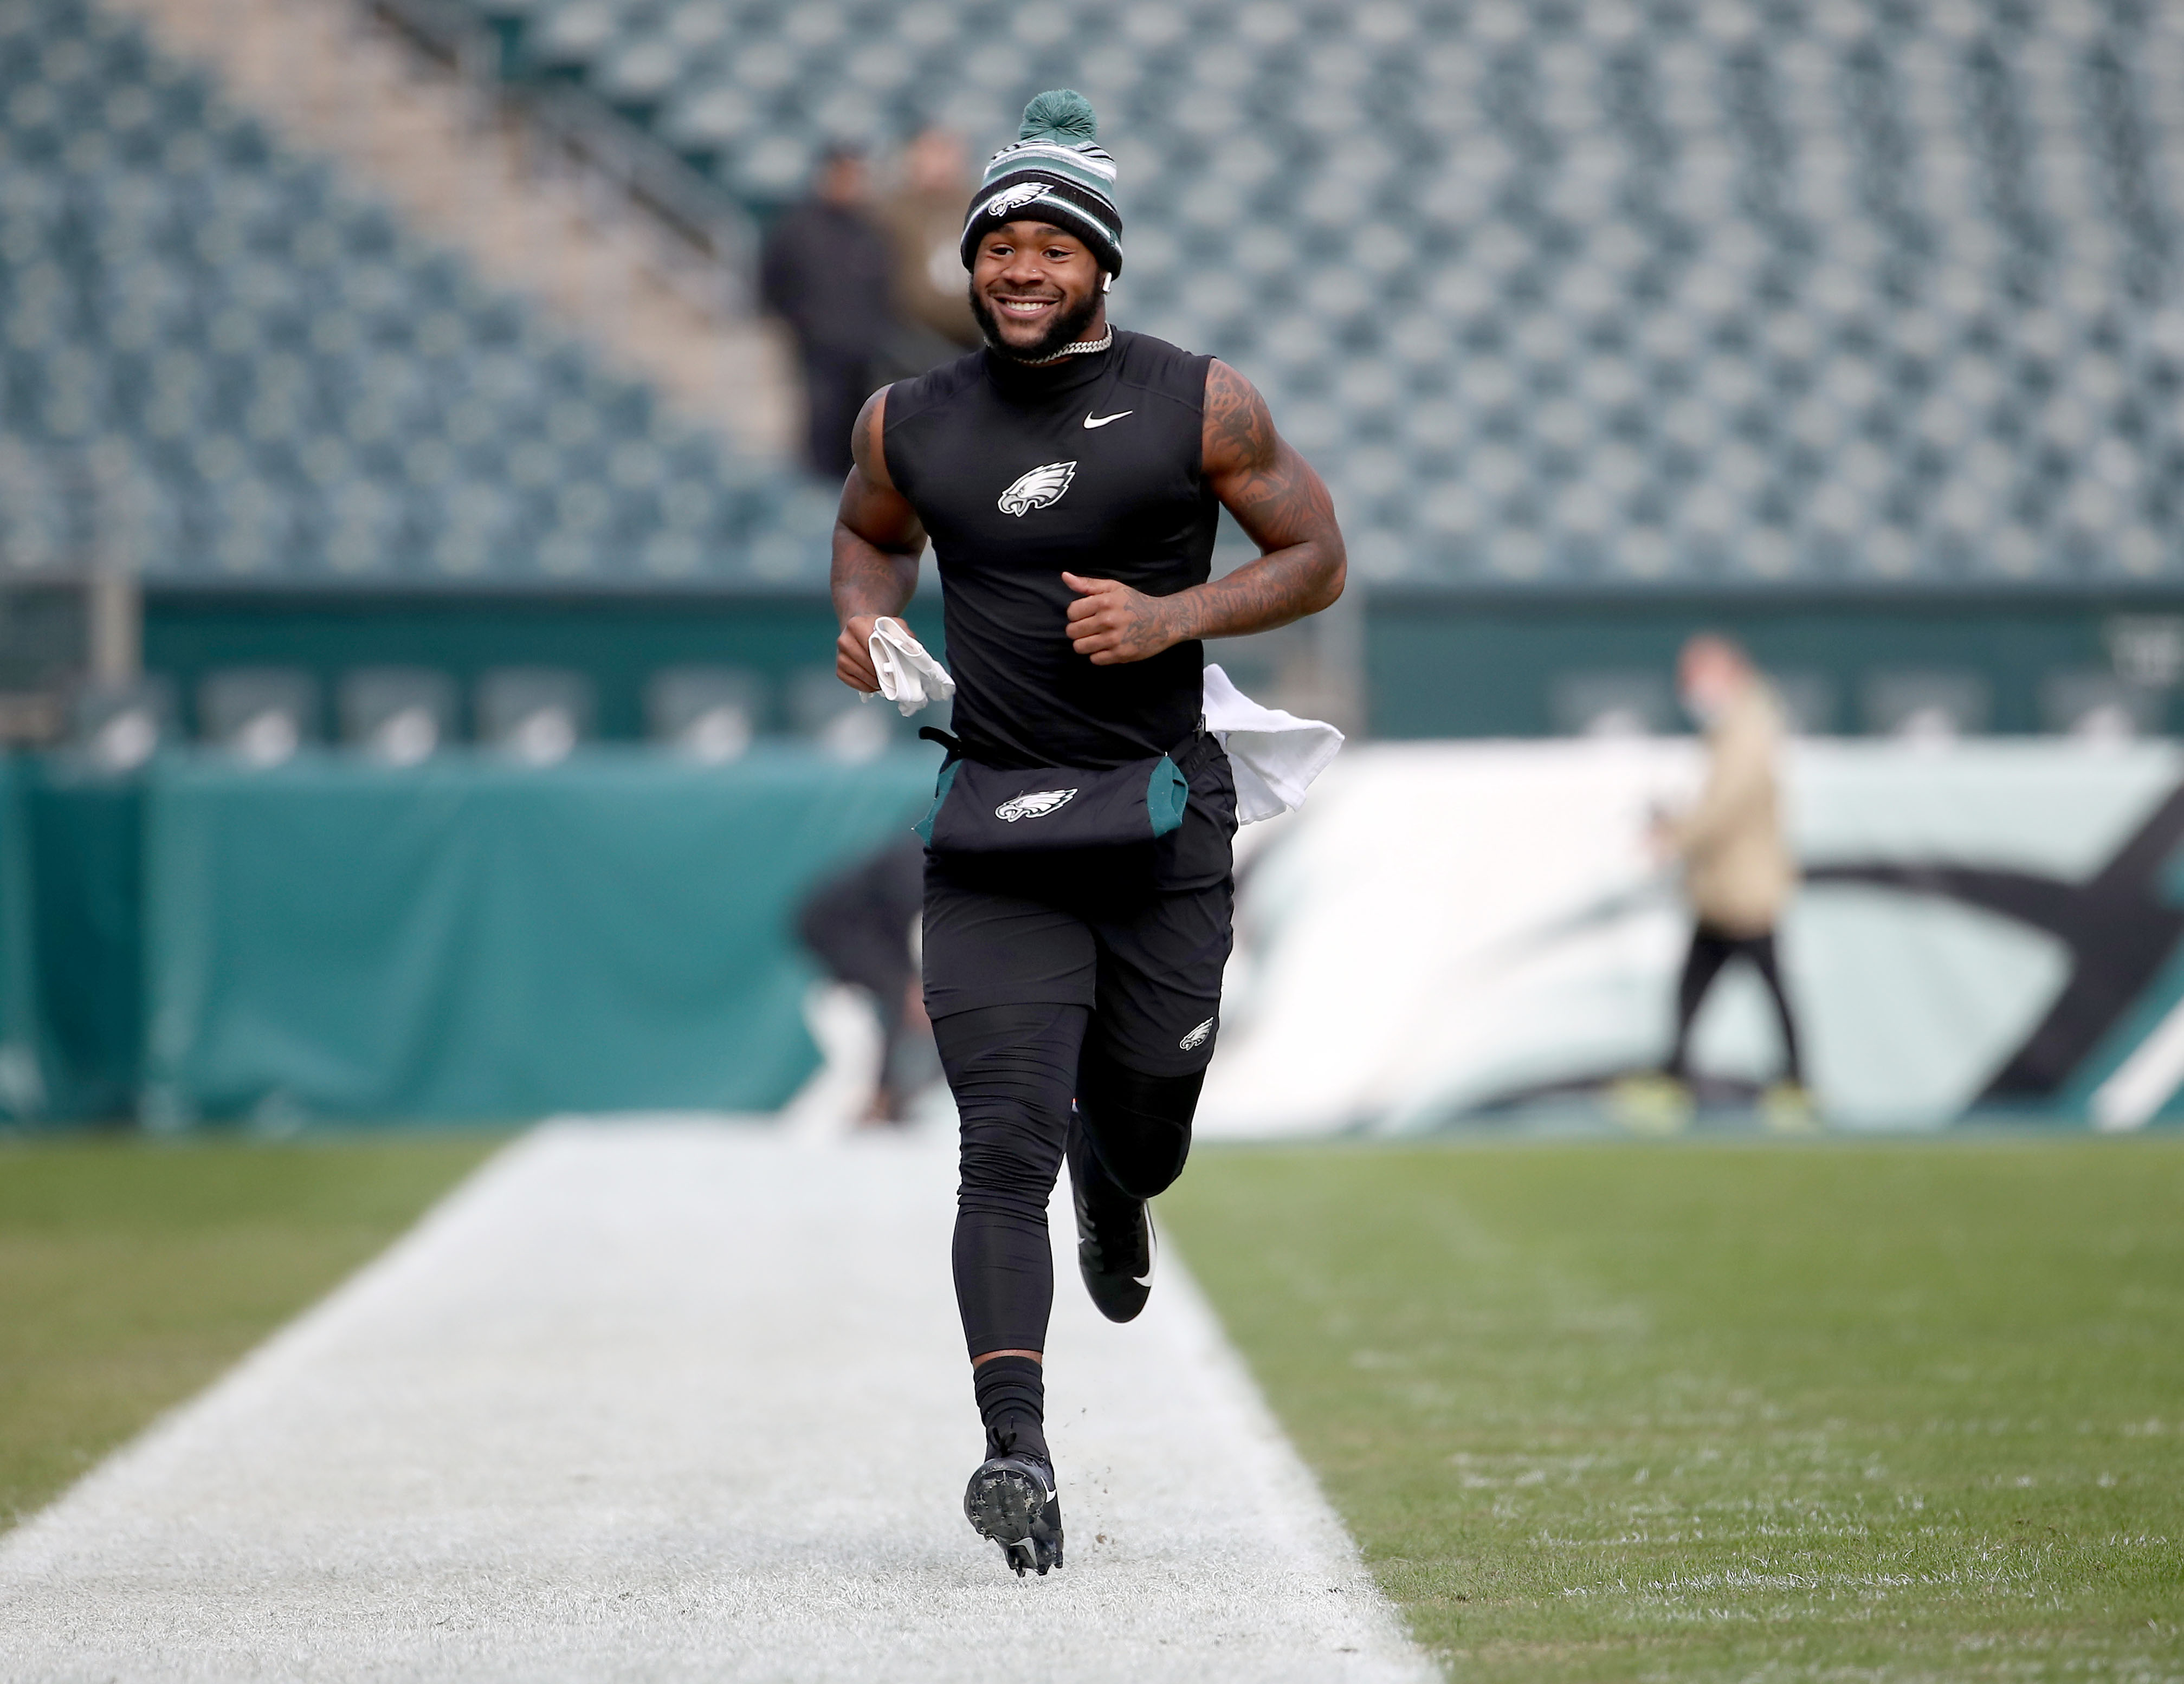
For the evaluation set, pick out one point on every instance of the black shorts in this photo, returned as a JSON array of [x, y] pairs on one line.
[[1141, 936]]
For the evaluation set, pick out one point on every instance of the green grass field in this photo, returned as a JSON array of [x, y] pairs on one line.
[[1647, 1411], [1842, 1411], [131, 1274]]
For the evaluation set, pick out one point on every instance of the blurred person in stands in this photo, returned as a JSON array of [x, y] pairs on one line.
[[924, 221], [1738, 873], [863, 925], [827, 271]]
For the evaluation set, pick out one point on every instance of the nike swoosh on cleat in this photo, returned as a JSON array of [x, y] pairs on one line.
[[1102, 421]]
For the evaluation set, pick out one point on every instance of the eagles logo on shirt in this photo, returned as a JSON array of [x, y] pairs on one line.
[[1035, 805], [1038, 489]]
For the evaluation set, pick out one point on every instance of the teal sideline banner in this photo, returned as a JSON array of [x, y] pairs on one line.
[[22, 1087], [471, 938], [468, 938], [71, 971]]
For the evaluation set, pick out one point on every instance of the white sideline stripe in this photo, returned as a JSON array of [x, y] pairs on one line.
[[2142, 1084], [677, 1400]]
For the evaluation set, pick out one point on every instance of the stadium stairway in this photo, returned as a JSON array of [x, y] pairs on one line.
[[325, 75]]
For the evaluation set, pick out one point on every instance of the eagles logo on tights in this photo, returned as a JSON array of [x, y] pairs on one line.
[[1038, 489]]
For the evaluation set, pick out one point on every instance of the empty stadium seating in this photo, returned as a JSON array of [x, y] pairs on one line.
[[1864, 293], [219, 365]]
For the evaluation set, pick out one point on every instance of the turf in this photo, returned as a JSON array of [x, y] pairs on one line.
[[132, 1273], [1885, 1411]]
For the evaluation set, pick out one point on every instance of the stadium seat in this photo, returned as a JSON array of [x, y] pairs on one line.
[[1810, 706], [824, 712], [2098, 705], [709, 713], [399, 715], [1926, 705], [535, 714], [117, 728], [1636, 704], [260, 714]]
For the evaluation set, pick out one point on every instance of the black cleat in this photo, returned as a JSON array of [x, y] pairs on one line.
[[1115, 1246], [1011, 1500]]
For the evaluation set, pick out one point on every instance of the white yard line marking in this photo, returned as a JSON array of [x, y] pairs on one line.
[[682, 1402], [2141, 1084]]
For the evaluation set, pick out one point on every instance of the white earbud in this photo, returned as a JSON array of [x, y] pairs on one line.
[[1106, 280]]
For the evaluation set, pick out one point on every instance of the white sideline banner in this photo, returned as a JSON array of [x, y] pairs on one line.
[[1477, 930]]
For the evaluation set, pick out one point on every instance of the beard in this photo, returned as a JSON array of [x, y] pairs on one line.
[[1069, 327]]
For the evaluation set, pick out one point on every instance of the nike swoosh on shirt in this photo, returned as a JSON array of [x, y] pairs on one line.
[[1102, 421]]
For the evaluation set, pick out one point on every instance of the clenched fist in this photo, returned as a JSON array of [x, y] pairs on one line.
[[1109, 624], [853, 655]]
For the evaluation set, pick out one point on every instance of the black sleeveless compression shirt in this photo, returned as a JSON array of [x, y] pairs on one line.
[[1095, 465]]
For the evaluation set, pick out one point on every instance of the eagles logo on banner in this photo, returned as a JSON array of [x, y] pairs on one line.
[[1035, 805], [1038, 489]]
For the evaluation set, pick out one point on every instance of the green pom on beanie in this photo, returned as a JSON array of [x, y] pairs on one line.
[[1061, 114]]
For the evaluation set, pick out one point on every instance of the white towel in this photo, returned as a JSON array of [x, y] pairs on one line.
[[1276, 755], [909, 677]]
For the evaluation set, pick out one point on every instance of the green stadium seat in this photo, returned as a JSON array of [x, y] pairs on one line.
[[535, 715], [709, 712], [261, 715]]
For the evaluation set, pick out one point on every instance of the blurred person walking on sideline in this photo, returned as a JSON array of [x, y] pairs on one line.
[[1737, 870], [827, 270], [924, 221], [861, 924], [1078, 886]]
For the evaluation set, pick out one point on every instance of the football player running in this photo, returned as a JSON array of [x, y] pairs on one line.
[[1069, 477]]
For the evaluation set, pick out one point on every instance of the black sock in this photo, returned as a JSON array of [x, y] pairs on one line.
[[1011, 1393]]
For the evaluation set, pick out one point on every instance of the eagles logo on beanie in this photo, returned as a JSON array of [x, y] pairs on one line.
[[1055, 172]]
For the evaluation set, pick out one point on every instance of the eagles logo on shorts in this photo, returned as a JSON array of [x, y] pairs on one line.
[[1035, 805], [1192, 1042]]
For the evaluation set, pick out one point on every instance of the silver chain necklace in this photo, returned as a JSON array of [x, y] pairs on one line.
[[1082, 348]]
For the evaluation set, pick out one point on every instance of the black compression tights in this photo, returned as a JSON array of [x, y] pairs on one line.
[[1014, 1071]]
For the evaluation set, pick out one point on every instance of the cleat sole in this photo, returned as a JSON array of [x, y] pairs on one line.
[[1015, 1508], [1001, 1505]]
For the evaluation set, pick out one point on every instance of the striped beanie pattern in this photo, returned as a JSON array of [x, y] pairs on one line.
[[1054, 172]]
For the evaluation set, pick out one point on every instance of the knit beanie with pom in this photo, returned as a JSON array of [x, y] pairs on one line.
[[1052, 172]]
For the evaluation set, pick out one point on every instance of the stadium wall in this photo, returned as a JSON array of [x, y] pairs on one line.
[[1443, 664], [617, 639], [1437, 664]]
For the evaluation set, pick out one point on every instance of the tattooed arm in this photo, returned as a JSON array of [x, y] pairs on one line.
[[877, 540], [1282, 508]]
